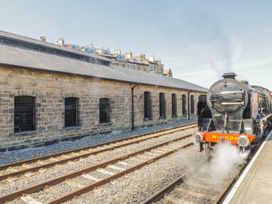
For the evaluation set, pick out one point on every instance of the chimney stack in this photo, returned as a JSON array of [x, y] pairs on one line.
[[43, 38], [60, 41], [229, 75]]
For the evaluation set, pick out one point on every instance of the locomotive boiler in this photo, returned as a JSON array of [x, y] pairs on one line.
[[240, 114]]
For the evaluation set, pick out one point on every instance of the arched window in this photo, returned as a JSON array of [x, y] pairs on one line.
[[162, 105], [104, 110], [24, 113], [192, 105], [147, 105], [183, 104], [174, 105], [71, 112]]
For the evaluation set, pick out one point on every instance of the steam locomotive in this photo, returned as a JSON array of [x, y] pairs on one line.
[[235, 112]]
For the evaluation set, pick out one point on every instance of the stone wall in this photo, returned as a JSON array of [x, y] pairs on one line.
[[50, 90]]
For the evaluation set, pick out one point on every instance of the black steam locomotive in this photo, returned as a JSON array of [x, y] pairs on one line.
[[238, 113]]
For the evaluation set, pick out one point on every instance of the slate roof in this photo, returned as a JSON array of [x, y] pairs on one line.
[[20, 57], [22, 39]]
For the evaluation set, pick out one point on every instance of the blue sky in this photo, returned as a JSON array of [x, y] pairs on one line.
[[198, 40]]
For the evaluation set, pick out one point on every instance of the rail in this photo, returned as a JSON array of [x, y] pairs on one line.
[[58, 180], [58, 158]]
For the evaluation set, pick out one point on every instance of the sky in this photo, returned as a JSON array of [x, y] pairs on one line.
[[198, 40]]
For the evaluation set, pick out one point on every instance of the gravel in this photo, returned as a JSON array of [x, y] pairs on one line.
[[88, 141], [60, 170], [139, 185]]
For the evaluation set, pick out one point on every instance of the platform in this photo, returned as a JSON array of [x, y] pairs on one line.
[[255, 184]]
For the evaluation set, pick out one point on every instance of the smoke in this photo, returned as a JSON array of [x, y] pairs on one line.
[[212, 48], [213, 56]]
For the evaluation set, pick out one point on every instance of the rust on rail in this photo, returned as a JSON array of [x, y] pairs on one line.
[[52, 182], [107, 180], [61, 161], [171, 186], [95, 146]]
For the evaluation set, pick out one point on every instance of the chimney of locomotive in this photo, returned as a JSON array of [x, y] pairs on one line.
[[229, 75]]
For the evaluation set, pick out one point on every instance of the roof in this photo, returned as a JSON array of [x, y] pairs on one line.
[[20, 57], [24, 39]]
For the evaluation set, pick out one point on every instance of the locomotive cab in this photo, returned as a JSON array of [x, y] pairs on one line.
[[203, 113]]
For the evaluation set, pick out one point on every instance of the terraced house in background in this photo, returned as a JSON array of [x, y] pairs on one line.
[[50, 92]]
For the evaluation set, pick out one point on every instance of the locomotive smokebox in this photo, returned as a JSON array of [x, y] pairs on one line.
[[227, 96], [229, 75]]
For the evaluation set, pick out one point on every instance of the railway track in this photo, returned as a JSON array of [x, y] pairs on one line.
[[32, 165], [193, 187], [197, 185], [85, 180]]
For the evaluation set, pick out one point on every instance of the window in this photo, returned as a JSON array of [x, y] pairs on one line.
[[183, 104], [192, 105], [174, 105], [24, 113], [162, 105], [104, 110], [71, 112], [147, 105]]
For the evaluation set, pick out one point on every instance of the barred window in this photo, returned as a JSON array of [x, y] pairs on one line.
[[162, 105], [104, 110], [147, 105], [183, 104], [24, 113], [71, 112], [192, 105], [174, 105]]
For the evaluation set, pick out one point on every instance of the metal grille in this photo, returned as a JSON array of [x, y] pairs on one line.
[[104, 110], [24, 113], [174, 105], [147, 105], [183, 104], [162, 105], [71, 112], [192, 105]]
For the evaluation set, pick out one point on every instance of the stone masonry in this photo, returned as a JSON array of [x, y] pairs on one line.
[[50, 90]]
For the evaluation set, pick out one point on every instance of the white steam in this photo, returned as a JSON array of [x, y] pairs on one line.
[[225, 160], [223, 165]]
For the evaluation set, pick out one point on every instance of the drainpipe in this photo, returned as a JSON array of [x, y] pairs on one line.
[[132, 106], [189, 111]]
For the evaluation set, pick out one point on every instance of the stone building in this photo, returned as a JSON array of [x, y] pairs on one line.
[[49, 93], [168, 73], [127, 60], [140, 63]]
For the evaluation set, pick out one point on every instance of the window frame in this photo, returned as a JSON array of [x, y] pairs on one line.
[[162, 105], [147, 106], [174, 104], [192, 98], [22, 115], [75, 111], [183, 102], [106, 103]]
